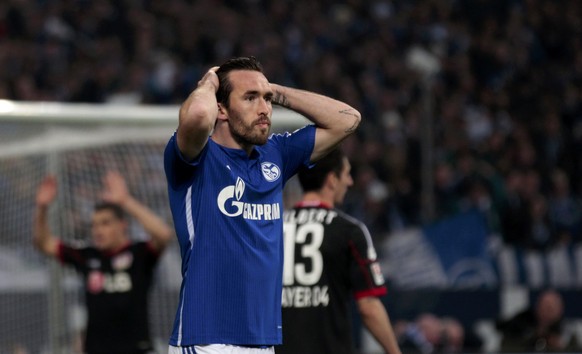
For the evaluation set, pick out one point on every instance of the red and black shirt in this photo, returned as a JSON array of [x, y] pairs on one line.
[[329, 258], [116, 294]]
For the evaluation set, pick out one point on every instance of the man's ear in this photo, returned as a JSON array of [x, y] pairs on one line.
[[222, 112], [331, 180]]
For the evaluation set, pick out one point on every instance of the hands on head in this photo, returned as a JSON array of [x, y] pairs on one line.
[[210, 77]]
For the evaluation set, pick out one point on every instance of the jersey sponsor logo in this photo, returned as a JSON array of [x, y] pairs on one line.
[[230, 203], [122, 261], [271, 172], [95, 282], [99, 282], [305, 296]]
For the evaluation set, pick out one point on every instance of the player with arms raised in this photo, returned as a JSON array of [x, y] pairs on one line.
[[226, 175]]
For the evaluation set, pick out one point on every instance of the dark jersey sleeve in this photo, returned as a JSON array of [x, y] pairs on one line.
[[151, 254], [73, 256], [78, 257], [365, 273]]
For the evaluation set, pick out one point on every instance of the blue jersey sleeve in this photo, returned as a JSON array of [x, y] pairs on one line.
[[179, 171], [296, 149]]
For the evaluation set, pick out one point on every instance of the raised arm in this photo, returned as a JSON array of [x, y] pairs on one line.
[[43, 239], [198, 115], [116, 192], [376, 320], [335, 120]]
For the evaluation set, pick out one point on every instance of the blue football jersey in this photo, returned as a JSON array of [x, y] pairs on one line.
[[227, 209]]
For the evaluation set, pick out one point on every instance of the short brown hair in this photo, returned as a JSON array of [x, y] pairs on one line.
[[224, 85]]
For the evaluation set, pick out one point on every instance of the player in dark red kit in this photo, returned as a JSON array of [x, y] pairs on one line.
[[117, 271], [329, 257]]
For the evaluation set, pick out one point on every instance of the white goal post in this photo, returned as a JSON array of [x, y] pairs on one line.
[[114, 114], [95, 124], [40, 301]]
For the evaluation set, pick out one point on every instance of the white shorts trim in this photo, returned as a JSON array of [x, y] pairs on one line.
[[219, 349]]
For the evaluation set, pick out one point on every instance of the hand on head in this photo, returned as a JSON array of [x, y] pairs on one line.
[[210, 77]]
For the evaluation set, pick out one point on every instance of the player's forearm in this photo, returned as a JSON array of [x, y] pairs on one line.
[[160, 232], [197, 118], [377, 321], [324, 111], [43, 239], [334, 119], [383, 333]]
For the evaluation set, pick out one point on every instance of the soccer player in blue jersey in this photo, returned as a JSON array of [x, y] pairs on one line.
[[225, 176]]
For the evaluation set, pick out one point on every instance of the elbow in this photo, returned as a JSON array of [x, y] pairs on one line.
[[167, 235], [44, 246], [164, 236], [196, 117], [357, 119], [369, 307], [366, 312], [37, 244], [353, 123], [38, 239]]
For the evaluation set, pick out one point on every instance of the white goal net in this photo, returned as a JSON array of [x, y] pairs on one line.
[[41, 304]]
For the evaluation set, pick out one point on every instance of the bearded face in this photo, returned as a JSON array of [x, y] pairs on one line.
[[249, 132], [249, 108]]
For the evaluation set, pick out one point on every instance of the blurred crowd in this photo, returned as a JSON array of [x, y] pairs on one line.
[[501, 81]]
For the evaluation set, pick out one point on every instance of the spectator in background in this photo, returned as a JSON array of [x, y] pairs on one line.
[[117, 271], [446, 190], [565, 209], [540, 234], [430, 334], [513, 209], [454, 335], [525, 221], [477, 196], [539, 328]]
